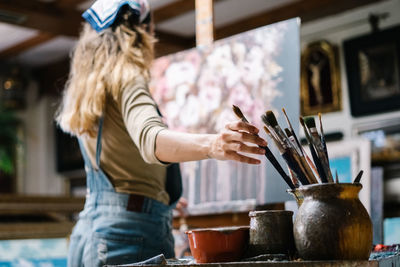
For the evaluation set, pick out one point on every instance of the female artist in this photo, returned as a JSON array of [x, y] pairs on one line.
[[125, 145]]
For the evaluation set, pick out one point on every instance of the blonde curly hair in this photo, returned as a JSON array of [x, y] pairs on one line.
[[102, 64]]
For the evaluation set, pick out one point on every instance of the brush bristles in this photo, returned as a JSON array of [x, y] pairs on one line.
[[270, 117], [288, 132], [287, 118], [310, 122], [320, 123], [264, 119], [237, 112], [266, 130]]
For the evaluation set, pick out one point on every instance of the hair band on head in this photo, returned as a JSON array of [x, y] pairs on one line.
[[103, 13]]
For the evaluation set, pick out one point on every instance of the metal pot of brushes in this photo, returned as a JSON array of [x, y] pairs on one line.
[[332, 223]]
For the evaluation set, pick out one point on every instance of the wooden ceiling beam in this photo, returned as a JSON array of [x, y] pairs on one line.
[[50, 19], [69, 4], [44, 18], [307, 10], [40, 38], [334, 7], [174, 9], [169, 43], [166, 37]]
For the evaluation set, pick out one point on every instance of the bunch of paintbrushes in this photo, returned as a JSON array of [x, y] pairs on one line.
[[301, 168]]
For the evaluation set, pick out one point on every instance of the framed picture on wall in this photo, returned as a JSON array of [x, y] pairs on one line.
[[373, 74], [385, 139], [320, 79]]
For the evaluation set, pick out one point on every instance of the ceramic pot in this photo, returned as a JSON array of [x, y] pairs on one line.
[[225, 244], [271, 232], [332, 223], [297, 195]]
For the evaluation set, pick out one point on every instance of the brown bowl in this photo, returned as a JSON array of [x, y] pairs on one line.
[[225, 244]]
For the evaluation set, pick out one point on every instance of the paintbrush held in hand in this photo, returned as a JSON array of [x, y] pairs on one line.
[[268, 152]]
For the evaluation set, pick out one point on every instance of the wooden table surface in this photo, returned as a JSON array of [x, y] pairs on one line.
[[393, 261]]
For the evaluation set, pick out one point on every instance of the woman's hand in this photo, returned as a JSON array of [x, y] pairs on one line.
[[231, 142], [181, 207]]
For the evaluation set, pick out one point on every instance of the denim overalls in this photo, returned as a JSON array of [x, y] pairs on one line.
[[108, 233]]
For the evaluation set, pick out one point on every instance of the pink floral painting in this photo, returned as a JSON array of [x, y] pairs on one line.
[[195, 91]]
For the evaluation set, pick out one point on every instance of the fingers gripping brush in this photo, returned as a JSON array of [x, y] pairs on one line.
[[268, 152]]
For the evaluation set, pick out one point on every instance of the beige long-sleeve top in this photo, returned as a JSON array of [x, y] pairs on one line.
[[129, 136]]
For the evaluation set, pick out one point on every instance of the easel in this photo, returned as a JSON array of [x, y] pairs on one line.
[[204, 23]]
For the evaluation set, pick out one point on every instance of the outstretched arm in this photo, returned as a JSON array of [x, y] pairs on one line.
[[156, 143], [237, 138]]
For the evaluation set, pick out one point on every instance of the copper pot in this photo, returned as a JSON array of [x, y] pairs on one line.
[[332, 223], [218, 244]]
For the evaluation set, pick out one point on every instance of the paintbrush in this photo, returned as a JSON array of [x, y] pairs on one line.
[[268, 152], [294, 179], [306, 161], [303, 162], [323, 136], [287, 152], [302, 152], [358, 177], [336, 177], [292, 131], [316, 141], [317, 161], [292, 140], [270, 119]]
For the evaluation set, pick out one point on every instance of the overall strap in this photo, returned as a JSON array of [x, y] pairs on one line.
[[98, 145], [85, 156], [96, 180]]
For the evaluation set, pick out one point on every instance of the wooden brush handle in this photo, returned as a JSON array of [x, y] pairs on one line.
[[291, 162], [278, 167], [318, 164]]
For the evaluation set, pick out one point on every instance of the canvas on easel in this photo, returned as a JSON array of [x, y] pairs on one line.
[[195, 90]]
